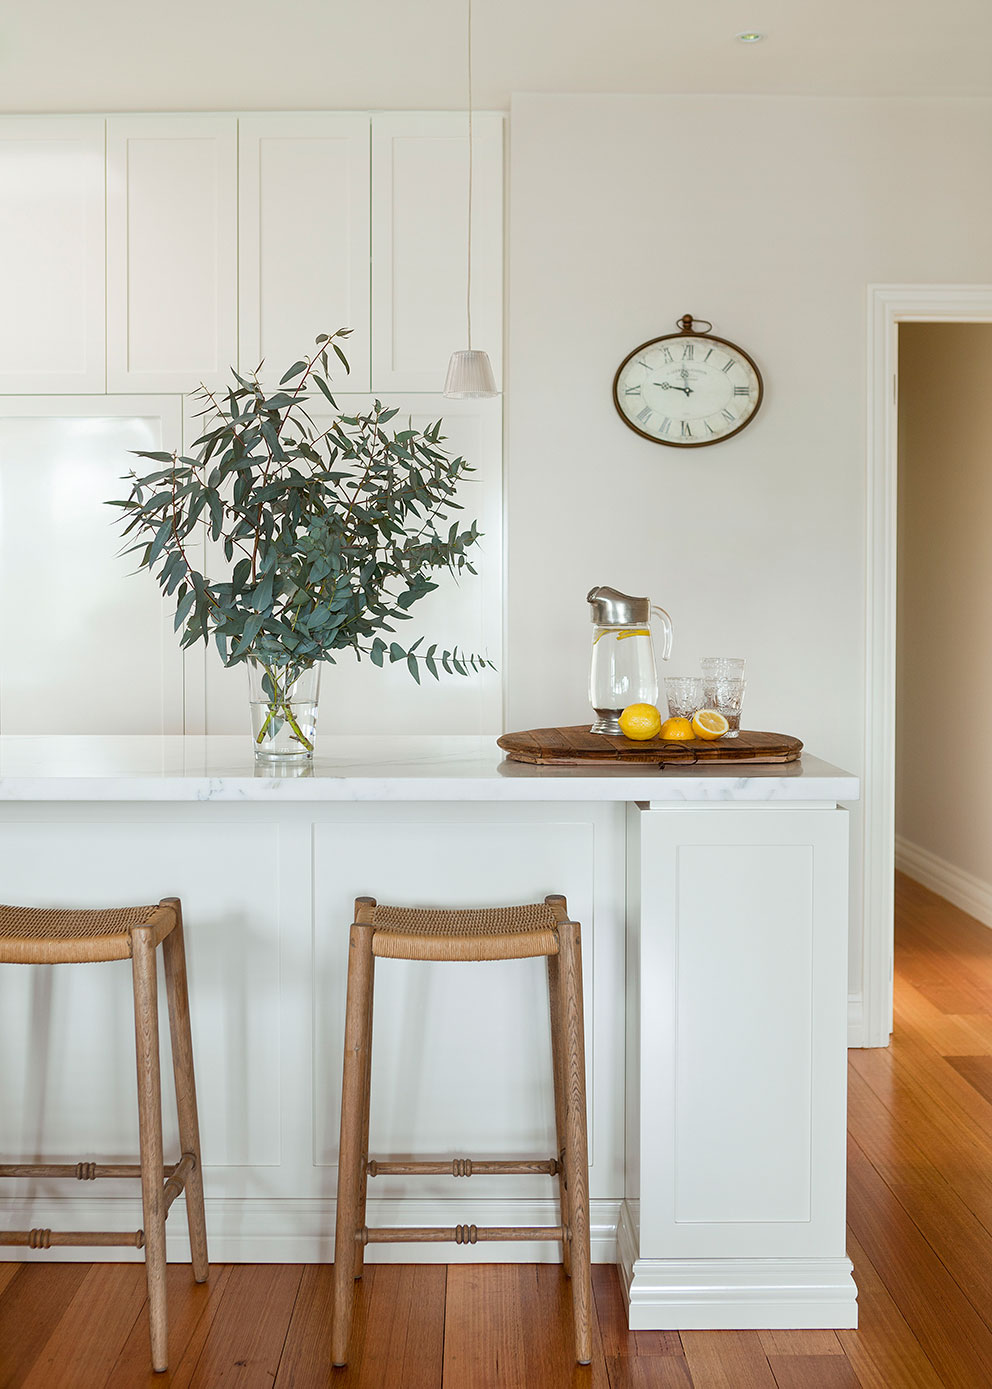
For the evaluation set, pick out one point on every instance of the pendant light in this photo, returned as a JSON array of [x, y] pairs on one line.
[[470, 373]]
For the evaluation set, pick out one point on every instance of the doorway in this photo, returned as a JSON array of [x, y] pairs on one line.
[[890, 308]]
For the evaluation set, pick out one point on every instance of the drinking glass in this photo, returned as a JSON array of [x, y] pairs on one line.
[[726, 695], [684, 694], [722, 667]]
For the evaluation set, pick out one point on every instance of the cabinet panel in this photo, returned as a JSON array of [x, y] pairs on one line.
[[72, 1095], [419, 245], [88, 645], [304, 239], [172, 252], [52, 254], [358, 697]]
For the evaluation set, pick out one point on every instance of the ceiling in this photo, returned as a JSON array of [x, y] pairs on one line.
[[63, 55]]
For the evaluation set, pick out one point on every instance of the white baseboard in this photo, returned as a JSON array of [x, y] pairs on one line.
[[733, 1294], [291, 1231], [973, 895]]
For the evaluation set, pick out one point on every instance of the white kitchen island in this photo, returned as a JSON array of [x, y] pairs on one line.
[[714, 916]]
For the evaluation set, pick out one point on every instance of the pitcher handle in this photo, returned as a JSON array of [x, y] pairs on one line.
[[666, 625]]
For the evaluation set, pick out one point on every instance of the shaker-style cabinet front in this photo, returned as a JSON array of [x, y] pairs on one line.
[[52, 254], [303, 233], [420, 198], [171, 251]]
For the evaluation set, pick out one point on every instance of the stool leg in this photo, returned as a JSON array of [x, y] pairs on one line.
[[363, 1171], [357, 1042], [150, 1136], [576, 1151], [174, 955], [557, 1061]]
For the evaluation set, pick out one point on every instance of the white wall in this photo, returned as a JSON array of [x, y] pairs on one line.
[[769, 216], [945, 594]]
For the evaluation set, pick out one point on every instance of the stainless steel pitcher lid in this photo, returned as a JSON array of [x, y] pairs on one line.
[[611, 608]]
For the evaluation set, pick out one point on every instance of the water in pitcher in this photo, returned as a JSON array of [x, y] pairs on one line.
[[623, 670]]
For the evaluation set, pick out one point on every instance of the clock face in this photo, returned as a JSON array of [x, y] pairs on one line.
[[687, 390]]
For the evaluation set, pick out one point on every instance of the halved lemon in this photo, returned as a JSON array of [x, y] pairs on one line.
[[707, 723], [677, 731], [640, 721]]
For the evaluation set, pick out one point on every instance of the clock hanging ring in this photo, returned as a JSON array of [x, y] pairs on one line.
[[688, 389]]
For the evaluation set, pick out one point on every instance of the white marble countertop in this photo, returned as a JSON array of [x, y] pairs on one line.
[[369, 768]]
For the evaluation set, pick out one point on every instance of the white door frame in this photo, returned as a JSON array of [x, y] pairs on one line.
[[888, 306]]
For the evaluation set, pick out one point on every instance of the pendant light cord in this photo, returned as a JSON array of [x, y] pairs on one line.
[[468, 291]]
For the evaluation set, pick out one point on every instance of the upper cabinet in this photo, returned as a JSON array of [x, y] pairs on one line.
[[303, 235], [171, 251], [420, 199], [52, 254]]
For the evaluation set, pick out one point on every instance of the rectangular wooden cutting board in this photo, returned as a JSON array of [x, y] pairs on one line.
[[574, 747]]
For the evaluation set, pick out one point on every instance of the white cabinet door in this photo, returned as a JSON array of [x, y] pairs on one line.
[[419, 245], [303, 240], [52, 254], [172, 251], [357, 697], [87, 644]]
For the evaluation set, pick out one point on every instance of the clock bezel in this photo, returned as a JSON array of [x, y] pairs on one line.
[[683, 335]]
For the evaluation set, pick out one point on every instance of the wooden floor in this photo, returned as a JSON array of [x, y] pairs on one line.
[[920, 1236]]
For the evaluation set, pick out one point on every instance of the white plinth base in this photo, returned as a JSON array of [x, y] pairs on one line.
[[733, 1294]]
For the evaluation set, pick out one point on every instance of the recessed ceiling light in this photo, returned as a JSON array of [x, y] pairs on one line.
[[749, 36]]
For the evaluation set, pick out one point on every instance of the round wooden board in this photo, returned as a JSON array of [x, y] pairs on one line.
[[573, 747]]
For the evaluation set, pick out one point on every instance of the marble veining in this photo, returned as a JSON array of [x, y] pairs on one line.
[[367, 768]]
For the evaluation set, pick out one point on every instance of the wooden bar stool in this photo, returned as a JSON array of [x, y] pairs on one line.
[[498, 933], [39, 937]]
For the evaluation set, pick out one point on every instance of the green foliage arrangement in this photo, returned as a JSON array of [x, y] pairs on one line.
[[331, 535]]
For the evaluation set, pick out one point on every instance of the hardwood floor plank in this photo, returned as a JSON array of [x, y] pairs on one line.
[[249, 1328], [611, 1311], [813, 1372], [34, 1298], [511, 1324], [727, 1360], [977, 1071], [89, 1335], [800, 1343], [884, 1351], [8, 1271], [951, 1332], [192, 1307], [962, 1242], [648, 1372], [397, 1339], [950, 1034]]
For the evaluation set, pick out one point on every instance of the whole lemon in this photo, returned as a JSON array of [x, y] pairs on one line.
[[677, 731], [640, 721]]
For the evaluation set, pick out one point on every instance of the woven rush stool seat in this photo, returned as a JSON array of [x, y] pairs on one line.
[[38, 936], [42, 936], [461, 935], [488, 933]]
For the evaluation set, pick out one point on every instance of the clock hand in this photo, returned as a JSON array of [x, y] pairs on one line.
[[667, 386]]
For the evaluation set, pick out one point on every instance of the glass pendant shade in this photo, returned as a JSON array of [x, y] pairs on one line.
[[470, 376]]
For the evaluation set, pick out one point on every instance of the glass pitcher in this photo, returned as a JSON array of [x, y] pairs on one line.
[[623, 670]]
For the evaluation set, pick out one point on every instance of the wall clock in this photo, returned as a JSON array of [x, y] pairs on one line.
[[687, 389]]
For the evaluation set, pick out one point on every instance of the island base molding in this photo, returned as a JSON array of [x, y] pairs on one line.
[[287, 1230], [733, 1294]]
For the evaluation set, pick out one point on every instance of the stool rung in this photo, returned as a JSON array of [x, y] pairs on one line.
[[459, 1234], [177, 1181], [463, 1167], [82, 1171], [50, 1239]]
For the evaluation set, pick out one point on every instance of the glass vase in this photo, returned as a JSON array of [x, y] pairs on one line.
[[283, 711]]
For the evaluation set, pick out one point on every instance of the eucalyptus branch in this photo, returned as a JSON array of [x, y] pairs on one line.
[[337, 529]]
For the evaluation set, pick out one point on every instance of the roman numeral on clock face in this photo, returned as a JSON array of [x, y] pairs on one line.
[[686, 431], [645, 414], [687, 352], [632, 390], [742, 390]]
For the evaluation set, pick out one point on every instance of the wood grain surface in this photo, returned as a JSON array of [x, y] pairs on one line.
[[573, 747]]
